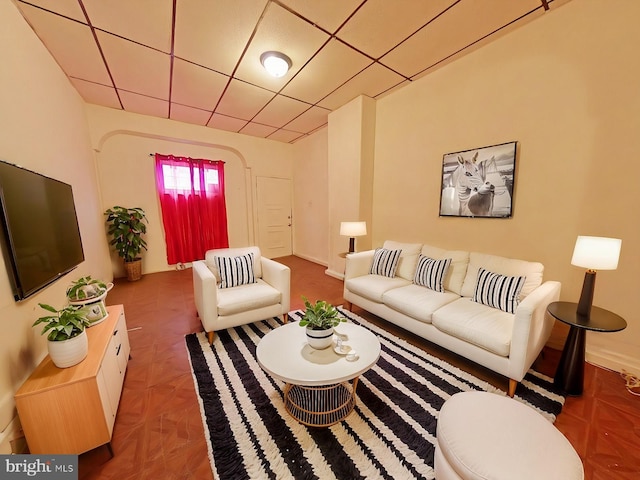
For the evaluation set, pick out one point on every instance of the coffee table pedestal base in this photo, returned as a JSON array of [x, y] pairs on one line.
[[320, 406]]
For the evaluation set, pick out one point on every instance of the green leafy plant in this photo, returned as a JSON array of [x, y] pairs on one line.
[[63, 324], [126, 226], [320, 316], [86, 288]]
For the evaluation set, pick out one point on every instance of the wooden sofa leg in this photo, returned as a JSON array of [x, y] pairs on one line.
[[349, 306], [285, 318], [211, 336], [512, 387]]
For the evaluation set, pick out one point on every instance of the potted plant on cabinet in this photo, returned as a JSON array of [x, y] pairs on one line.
[[126, 226], [319, 319], [90, 292], [66, 335]]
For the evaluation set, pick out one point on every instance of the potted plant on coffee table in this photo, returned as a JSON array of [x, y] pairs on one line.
[[319, 320], [126, 227], [66, 334]]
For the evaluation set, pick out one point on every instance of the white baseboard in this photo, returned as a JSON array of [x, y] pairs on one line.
[[311, 259], [614, 361], [334, 274]]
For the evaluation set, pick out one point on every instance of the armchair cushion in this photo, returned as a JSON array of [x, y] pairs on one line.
[[235, 271], [247, 297], [233, 252]]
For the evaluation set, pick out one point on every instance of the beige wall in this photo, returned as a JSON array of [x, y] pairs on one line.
[[43, 129], [123, 142], [310, 198], [565, 86]]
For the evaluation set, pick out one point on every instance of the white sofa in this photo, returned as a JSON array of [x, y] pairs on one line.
[[220, 308], [507, 343]]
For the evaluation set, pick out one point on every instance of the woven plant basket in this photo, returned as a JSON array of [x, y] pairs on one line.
[[134, 270]]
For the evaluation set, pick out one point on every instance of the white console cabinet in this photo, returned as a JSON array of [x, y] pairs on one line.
[[72, 410]]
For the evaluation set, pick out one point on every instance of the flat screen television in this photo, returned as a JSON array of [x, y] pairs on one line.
[[41, 237]]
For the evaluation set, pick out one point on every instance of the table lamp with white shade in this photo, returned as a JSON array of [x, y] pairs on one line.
[[594, 253], [352, 230]]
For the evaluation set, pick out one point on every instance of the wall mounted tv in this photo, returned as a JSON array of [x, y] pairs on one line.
[[40, 234]]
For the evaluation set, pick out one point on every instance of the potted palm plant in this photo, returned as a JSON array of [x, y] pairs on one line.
[[126, 227], [319, 319], [66, 335], [90, 292]]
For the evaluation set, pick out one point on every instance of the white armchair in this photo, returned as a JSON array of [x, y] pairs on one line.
[[221, 308]]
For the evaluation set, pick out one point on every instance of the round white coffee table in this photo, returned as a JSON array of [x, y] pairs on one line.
[[320, 385]]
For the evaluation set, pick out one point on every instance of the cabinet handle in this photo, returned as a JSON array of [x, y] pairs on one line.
[[118, 350]]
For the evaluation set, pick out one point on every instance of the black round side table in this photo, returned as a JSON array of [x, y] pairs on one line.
[[570, 374]]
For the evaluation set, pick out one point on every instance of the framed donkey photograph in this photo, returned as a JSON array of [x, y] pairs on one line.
[[479, 182]]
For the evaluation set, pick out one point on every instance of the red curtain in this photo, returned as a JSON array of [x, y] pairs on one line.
[[194, 211]]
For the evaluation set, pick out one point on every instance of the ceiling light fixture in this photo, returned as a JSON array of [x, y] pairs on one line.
[[276, 63]]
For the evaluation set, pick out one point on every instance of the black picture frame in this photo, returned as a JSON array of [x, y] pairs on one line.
[[478, 183]]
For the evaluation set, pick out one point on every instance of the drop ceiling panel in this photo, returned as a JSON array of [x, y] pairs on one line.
[[242, 100], [461, 25], [136, 68], [68, 8], [284, 135], [224, 122], [335, 64], [186, 114], [397, 19], [124, 18], [373, 81], [124, 47], [257, 130], [281, 32], [96, 93], [328, 14], [214, 34], [310, 120], [196, 86], [133, 102], [71, 44], [280, 111]]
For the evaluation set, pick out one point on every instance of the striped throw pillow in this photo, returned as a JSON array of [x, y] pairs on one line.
[[385, 262], [235, 271], [498, 291], [430, 273]]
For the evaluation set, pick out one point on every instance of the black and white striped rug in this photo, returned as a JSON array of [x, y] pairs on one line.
[[390, 434]]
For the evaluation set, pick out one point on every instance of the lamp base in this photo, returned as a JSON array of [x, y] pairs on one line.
[[586, 297], [352, 244]]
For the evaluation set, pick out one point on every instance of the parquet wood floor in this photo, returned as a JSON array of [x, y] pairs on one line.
[[158, 432]]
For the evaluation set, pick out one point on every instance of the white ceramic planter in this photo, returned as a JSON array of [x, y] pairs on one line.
[[68, 353], [320, 339]]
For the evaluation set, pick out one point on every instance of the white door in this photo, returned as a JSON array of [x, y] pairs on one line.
[[274, 216]]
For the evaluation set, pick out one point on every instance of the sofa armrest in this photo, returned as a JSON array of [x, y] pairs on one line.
[[279, 277], [358, 264], [205, 293], [531, 328]]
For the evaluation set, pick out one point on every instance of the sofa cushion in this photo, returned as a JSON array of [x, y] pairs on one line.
[[457, 270], [385, 262], [498, 291], [235, 271], [247, 297], [486, 327], [430, 273], [374, 286], [408, 257], [416, 301], [209, 259], [504, 266]]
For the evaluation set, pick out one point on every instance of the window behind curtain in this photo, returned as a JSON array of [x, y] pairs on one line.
[[194, 213]]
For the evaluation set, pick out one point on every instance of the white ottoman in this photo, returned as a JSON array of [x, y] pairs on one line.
[[486, 436]]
